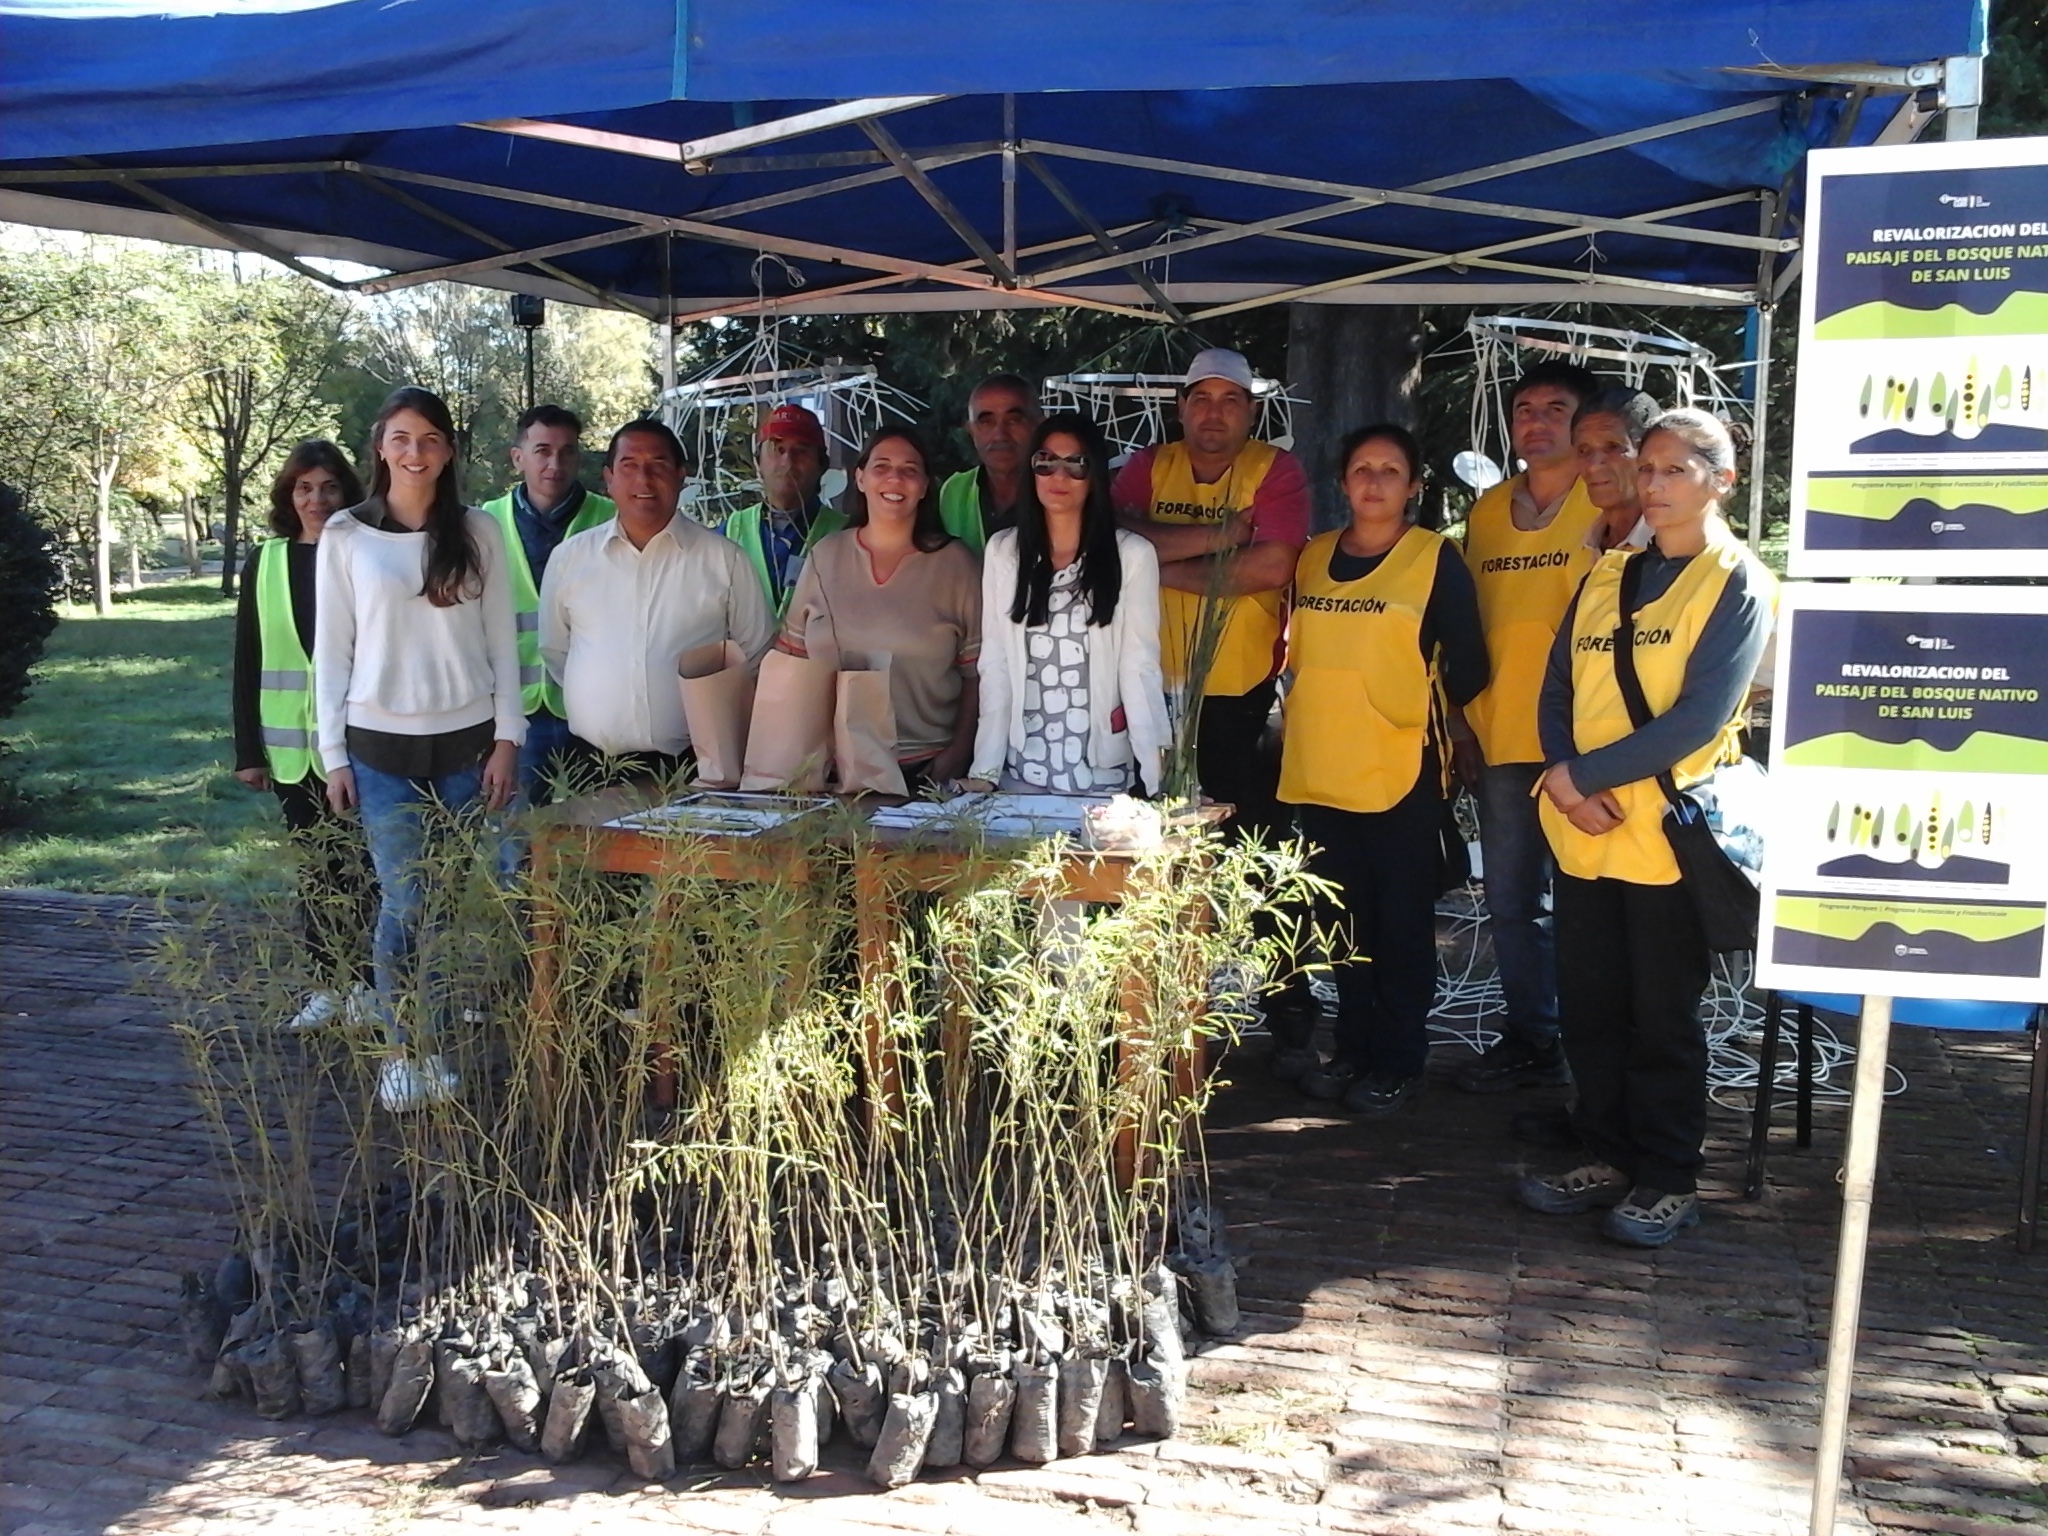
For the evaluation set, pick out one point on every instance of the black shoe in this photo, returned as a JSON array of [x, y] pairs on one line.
[[1381, 1093], [1550, 1129], [1512, 1064], [1649, 1218], [1291, 1063], [1330, 1081], [1293, 1028]]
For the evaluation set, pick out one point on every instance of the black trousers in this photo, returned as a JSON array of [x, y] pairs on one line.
[[1233, 765], [1385, 865], [337, 890], [1632, 966]]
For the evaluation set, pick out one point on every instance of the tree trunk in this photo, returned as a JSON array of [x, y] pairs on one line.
[[134, 562], [230, 531], [103, 540], [189, 505], [1352, 365]]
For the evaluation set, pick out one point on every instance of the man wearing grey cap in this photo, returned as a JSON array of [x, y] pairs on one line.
[[1227, 515]]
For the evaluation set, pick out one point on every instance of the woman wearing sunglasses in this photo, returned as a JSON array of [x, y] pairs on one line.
[[1072, 700]]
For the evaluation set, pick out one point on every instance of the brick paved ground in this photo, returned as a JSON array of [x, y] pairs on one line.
[[1416, 1354]]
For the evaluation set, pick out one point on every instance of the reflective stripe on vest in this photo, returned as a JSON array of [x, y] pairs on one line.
[[1525, 582], [1666, 632], [1247, 652], [536, 692], [285, 710], [1363, 701], [744, 529]]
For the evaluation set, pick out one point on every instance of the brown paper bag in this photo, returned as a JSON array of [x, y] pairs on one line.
[[718, 701], [864, 729], [789, 740]]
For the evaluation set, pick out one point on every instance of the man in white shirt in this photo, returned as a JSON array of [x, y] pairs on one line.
[[622, 602]]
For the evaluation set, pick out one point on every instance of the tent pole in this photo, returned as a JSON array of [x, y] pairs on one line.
[[1010, 181], [1759, 420], [1962, 93], [1859, 1176], [668, 316]]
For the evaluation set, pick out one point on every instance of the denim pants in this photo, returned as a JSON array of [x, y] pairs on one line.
[[1517, 877], [547, 736], [394, 821]]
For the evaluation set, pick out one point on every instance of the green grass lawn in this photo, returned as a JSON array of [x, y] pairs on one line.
[[124, 751]]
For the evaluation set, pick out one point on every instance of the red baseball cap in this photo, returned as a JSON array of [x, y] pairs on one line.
[[793, 424]]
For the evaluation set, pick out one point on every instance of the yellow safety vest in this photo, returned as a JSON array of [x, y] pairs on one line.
[[1666, 632], [1525, 583], [284, 683], [536, 690], [1248, 651], [1364, 700]]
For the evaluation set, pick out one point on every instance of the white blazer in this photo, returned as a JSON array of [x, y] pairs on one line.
[[1124, 676]]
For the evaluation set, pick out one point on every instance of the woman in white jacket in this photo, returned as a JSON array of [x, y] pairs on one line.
[[1072, 697], [417, 689]]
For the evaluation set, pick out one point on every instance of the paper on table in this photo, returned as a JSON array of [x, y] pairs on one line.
[[721, 815]]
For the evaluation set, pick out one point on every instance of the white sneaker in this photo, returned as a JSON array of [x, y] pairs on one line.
[[321, 1010], [405, 1084]]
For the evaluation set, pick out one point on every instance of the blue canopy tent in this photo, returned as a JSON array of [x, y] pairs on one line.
[[1174, 161], [1187, 160]]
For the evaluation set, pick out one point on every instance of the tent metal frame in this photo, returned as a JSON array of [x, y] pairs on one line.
[[987, 277], [990, 273]]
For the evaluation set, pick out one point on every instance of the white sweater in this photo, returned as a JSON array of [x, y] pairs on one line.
[[1123, 667], [386, 659]]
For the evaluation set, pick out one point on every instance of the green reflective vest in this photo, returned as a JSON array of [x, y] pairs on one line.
[[744, 529], [284, 684], [960, 508], [536, 690]]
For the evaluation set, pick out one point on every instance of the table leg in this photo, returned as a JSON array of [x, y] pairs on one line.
[[544, 914], [875, 932], [661, 1050]]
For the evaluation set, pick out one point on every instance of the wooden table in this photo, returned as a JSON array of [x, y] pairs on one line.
[[885, 863]]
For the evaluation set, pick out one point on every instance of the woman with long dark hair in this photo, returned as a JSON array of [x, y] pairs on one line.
[[275, 728], [416, 672], [1073, 700], [894, 583]]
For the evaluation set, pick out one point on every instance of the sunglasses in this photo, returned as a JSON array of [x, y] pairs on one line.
[[1073, 465]]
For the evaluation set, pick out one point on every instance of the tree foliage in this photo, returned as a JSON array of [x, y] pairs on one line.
[[28, 596], [259, 364]]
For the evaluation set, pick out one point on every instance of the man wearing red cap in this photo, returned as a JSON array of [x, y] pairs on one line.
[[777, 532]]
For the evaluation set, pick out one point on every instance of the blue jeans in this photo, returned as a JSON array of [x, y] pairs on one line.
[[394, 822], [1517, 875], [545, 750], [546, 736]]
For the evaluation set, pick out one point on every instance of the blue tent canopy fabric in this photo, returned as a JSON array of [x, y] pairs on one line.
[[1248, 154]]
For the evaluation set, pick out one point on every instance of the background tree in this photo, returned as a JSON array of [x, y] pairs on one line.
[[261, 358], [115, 352]]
